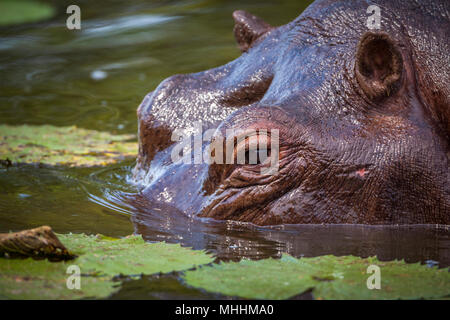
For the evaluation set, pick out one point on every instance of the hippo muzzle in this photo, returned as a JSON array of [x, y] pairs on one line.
[[352, 122]]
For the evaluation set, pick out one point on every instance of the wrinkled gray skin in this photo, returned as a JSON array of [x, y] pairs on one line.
[[363, 117]]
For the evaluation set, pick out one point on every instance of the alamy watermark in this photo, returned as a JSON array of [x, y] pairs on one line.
[[74, 280], [73, 22], [374, 20], [374, 281]]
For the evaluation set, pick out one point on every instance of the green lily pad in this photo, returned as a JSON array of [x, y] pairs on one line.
[[24, 11], [41, 279], [99, 259], [131, 255], [69, 146], [329, 277]]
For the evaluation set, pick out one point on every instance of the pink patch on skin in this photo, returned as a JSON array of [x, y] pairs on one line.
[[361, 172]]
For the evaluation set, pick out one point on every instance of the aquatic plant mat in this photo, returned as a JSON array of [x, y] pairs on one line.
[[99, 259], [102, 263], [329, 277], [70, 146]]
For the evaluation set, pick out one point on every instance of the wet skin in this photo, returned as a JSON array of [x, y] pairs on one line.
[[363, 118]]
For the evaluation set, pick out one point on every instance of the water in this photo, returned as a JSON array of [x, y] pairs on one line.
[[95, 78]]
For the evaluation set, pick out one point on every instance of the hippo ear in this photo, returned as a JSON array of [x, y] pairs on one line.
[[379, 65], [248, 28]]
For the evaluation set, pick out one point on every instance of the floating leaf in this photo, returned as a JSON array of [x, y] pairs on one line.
[[70, 146], [399, 280], [24, 11], [100, 258], [41, 279], [329, 277], [131, 255], [263, 279]]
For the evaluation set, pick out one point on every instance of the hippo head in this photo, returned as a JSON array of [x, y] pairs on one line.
[[361, 116]]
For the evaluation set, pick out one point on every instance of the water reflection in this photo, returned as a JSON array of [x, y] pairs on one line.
[[103, 28], [229, 240]]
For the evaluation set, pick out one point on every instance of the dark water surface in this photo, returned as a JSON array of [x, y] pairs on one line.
[[95, 78]]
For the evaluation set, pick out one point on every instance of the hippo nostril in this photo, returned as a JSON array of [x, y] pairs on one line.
[[248, 93]]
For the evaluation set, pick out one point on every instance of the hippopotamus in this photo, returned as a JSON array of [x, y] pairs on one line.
[[361, 112]]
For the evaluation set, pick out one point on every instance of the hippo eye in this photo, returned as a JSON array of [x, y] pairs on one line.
[[257, 157]]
